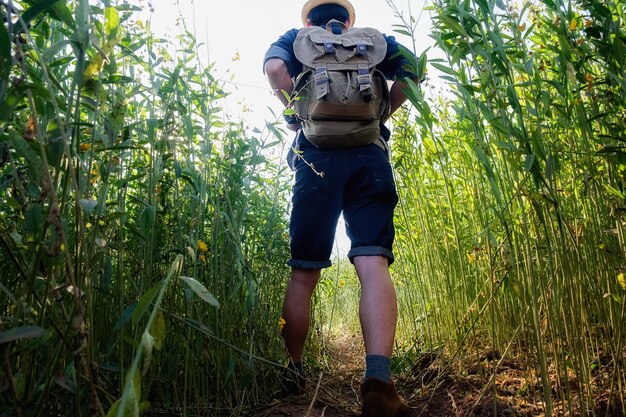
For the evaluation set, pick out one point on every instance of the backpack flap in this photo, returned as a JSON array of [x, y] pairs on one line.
[[315, 45]]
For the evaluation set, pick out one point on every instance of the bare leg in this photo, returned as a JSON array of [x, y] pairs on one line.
[[297, 310], [378, 310]]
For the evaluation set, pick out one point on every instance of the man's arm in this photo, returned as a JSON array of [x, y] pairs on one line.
[[396, 96], [279, 79], [278, 76]]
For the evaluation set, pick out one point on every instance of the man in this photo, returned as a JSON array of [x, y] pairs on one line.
[[358, 181]]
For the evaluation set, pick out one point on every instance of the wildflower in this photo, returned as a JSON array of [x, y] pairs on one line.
[[202, 258], [202, 246], [588, 23], [281, 323], [84, 147], [470, 257], [236, 57], [521, 27], [622, 280], [573, 24]]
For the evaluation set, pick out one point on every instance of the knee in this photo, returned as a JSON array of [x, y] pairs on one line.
[[305, 278]]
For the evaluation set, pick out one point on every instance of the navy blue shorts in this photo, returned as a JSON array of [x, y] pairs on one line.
[[357, 181]]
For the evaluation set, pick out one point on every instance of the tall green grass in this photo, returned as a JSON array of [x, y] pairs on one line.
[[512, 206], [141, 229]]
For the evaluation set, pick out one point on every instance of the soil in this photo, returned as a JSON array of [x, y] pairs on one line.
[[431, 389]]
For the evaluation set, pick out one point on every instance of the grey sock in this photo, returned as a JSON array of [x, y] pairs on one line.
[[379, 367]]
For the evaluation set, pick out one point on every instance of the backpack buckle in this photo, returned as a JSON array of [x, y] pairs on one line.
[[364, 80], [321, 81], [361, 49]]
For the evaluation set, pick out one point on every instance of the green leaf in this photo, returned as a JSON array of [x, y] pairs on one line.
[[82, 24], [131, 404], [146, 221], [144, 302], [443, 68], [62, 13], [158, 330], [29, 154], [201, 290], [23, 332], [111, 22], [33, 223], [528, 162], [31, 13]]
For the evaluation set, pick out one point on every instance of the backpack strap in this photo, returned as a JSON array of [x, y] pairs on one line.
[[321, 80], [364, 80], [361, 49]]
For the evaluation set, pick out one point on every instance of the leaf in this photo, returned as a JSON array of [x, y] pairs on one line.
[[23, 332], [28, 152], [146, 221], [201, 290], [158, 330], [528, 162], [111, 22], [443, 68], [131, 405], [33, 223], [87, 204], [62, 13], [144, 302], [32, 12], [81, 12]]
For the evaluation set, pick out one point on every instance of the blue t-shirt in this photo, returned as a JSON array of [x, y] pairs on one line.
[[392, 66]]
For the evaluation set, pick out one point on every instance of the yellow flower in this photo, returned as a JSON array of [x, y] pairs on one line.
[[85, 146], [281, 323], [521, 27], [202, 246], [622, 280], [236, 57], [470, 257], [573, 24], [201, 258]]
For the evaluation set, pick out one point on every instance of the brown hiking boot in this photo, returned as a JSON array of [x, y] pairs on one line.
[[380, 399]]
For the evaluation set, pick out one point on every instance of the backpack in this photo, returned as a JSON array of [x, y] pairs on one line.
[[340, 97]]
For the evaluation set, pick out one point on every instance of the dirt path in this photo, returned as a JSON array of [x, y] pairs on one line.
[[430, 389]]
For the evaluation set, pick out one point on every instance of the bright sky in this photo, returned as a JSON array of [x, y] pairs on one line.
[[246, 28]]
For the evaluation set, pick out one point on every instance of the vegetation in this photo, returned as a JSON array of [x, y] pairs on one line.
[[137, 222], [512, 207], [143, 232]]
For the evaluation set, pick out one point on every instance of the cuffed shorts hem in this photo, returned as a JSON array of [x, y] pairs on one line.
[[295, 263], [371, 251]]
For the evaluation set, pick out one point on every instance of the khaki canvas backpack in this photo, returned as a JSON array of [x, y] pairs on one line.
[[340, 96]]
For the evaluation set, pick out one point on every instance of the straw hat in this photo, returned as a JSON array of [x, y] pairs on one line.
[[311, 4]]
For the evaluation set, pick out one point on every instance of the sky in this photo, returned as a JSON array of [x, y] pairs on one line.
[[237, 33]]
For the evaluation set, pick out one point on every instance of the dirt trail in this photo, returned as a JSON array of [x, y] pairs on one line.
[[336, 393], [430, 390]]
